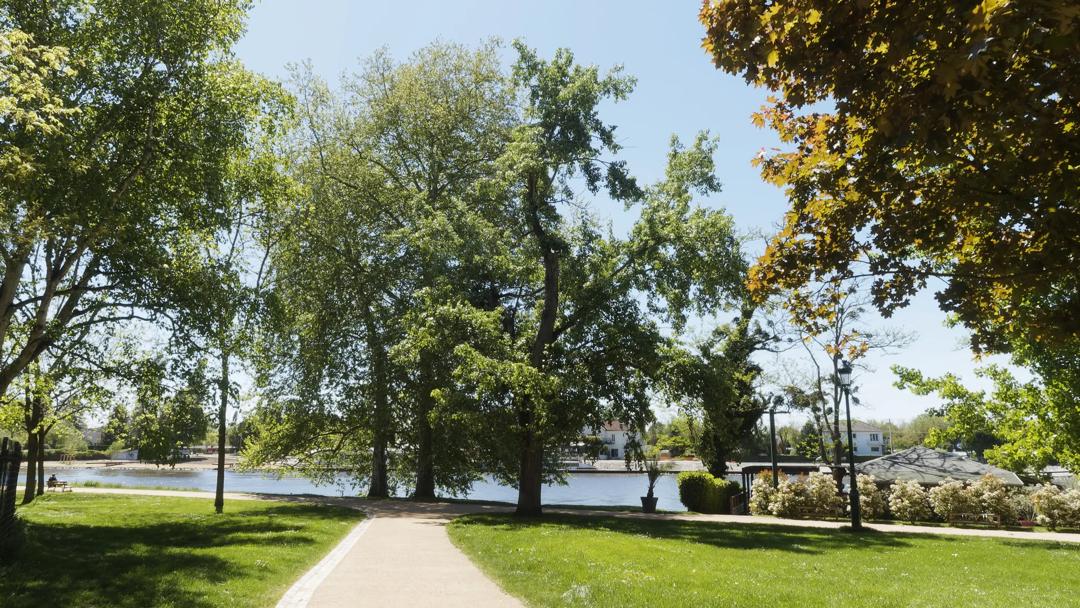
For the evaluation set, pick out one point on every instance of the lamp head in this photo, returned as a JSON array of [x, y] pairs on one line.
[[844, 372]]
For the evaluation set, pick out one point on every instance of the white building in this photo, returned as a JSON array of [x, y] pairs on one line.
[[614, 437], [869, 440]]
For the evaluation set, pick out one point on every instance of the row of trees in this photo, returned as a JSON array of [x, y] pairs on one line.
[[444, 300]]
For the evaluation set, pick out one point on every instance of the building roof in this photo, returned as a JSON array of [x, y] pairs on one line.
[[615, 426], [929, 467], [858, 426]]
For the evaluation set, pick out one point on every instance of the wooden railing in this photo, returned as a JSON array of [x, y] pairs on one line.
[[10, 459]]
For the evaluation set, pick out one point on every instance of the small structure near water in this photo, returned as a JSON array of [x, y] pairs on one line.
[[930, 467]]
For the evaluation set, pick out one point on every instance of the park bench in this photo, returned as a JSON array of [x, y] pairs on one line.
[[57, 486], [975, 518]]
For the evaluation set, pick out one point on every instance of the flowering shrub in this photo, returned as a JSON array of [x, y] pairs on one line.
[[821, 495], [992, 497], [908, 501], [951, 497], [761, 493], [789, 497], [871, 498], [1056, 509]]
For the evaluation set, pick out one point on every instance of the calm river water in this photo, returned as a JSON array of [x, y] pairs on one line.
[[595, 489]]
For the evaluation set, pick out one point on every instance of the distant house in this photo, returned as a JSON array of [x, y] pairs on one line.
[[869, 440], [132, 454], [930, 467], [614, 438]]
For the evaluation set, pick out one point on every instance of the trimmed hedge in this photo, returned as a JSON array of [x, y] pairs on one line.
[[699, 491], [55, 454]]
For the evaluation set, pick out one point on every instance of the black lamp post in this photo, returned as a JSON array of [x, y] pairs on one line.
[[776, 402], [843, 373]]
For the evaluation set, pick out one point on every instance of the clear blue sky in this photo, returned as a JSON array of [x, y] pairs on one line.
[[678, 91]]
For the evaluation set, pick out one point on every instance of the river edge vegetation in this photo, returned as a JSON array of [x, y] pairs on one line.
[[565, 560], [137, 551]]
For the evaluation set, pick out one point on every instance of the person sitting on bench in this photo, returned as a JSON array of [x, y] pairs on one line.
[[55, 483]]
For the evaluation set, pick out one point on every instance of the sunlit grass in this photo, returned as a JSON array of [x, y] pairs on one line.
[[625, 563], [106, 550]]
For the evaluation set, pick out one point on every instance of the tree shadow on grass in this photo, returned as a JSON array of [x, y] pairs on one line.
[[140, 565], [721, 535]]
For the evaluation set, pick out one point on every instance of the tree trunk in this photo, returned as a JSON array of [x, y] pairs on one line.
[[31, 468], [41, 463], [425, 461], [530, 477], [380, 485], [223, 386]]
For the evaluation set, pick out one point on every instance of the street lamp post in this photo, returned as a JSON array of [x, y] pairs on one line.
[[843, 373], [776, 401]]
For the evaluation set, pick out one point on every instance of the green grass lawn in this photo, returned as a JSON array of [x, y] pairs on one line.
[[624, 563], [115, 551]]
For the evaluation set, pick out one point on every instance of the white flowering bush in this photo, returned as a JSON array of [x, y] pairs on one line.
[[821, 495], [1055, 508], [992, 497], [871, 498], [761, 494], [788, 499], [951, 497], [908, 501]]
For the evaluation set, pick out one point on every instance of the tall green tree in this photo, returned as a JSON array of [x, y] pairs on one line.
[[167, 418], [584, 322], [394, 171], [119, 123], [719, 383]]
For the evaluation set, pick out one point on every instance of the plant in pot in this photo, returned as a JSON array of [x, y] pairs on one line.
[[653, 470]]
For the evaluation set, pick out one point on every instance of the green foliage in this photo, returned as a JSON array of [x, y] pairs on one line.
[[678, 437], [166, 421], [1036, 424], [717, 384], [950, 152], [701, 492], [121, 126]]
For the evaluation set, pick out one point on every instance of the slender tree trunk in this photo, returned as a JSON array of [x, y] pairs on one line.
[[531, 474], [31, 468], [223, 386], [41, 463], [425, 460], [380, 485]]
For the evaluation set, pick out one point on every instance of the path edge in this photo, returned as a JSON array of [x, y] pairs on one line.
[[303, 589]]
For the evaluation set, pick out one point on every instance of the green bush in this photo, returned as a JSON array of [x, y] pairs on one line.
[[692, 488], [701, 492]]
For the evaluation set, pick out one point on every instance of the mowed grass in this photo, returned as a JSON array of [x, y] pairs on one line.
[[115, 551], [625, 563]]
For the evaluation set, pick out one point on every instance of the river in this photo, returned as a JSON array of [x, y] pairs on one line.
[[588, 489]]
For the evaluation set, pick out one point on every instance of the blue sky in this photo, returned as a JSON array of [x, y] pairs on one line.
[[678, 91]]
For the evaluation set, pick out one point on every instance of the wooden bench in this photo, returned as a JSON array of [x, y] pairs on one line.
[[57, 486]]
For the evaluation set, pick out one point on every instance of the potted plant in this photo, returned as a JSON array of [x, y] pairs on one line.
[[653, 470]]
